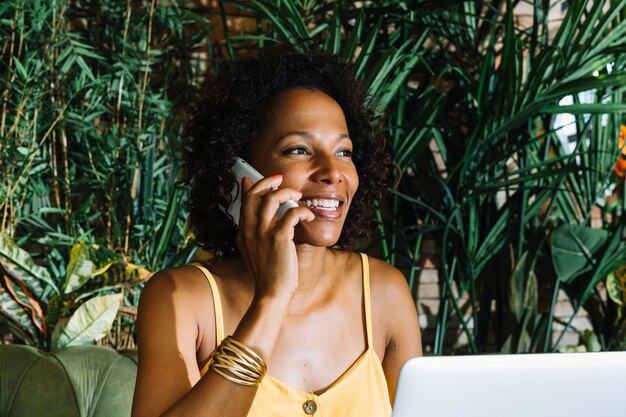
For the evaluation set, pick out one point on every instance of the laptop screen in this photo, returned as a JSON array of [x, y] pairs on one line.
[[529, 385]]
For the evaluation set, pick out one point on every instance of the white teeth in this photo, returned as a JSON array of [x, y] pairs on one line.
[[322, 204]]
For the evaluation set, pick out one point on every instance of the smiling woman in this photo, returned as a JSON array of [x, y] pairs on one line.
[[315, 329], [307, 142], [237, 108]]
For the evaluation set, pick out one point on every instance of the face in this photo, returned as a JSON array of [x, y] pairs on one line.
[[307, 141]]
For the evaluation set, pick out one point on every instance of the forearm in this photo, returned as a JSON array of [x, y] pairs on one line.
[[214, 395]]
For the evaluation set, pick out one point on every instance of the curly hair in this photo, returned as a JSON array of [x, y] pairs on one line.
[[230, 115]]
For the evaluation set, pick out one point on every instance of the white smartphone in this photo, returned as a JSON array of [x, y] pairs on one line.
[[244, 169]]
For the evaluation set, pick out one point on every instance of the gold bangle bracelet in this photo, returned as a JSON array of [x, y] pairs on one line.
[[238, 363], [236, 380]]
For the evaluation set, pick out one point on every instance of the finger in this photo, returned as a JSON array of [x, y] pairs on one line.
[[251, 195], [291, 219], [265, 185], [270, 204]]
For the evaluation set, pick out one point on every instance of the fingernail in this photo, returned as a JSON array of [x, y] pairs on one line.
[[277, 176], [243, 180]]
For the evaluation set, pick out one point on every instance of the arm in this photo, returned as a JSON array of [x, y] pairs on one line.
[[168, 380], [166, 336], [401, 321]]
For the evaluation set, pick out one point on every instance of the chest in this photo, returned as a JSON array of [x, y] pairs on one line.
[[313, 350], [315, 346]]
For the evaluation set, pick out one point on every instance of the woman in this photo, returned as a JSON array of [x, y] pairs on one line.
[[316, 329]]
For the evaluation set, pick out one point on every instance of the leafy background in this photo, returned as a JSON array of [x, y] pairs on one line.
[[520, 205]]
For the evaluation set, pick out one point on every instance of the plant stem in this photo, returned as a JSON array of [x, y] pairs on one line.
[[133, 189], [567, 326], [548, 335]]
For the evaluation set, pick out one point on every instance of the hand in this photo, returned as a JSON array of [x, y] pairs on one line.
[[265, 242]]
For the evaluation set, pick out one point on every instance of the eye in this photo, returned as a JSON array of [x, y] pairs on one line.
[[298, 150], [345, 153]]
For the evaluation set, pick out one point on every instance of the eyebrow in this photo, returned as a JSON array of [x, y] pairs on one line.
[[309, 135]]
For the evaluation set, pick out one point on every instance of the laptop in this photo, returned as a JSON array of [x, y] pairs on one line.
[[529, 385]]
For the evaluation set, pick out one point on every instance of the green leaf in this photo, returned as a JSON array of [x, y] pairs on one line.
[[63, 55], [586, 108], [20, 68], [590, 339], [523, 286], [167, 227], [17, 263], [119, 273], [17, 318], [354, 37], [611, 257], [367, 50], [616, 290], [293, 16], [85, 68], [84, 51], [522, 302], [278, 24], [58, 330], [392, 86], [574, 249], [333, 39], [91, 321], [67, 65], [24, 298], [80, 268]]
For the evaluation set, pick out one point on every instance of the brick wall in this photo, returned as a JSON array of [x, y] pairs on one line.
[[427, 299]]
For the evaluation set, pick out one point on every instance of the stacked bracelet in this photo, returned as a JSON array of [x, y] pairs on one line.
[[238, 363]]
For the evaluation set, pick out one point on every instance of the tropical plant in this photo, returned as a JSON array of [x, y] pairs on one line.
[[472, 99], [78, 310], [474, 102], [91, 117], [616, 286]]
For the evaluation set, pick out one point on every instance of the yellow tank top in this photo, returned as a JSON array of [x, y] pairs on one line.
[[360, 391]]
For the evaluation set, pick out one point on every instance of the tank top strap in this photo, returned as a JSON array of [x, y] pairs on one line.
[[217, 303], [367, 299]]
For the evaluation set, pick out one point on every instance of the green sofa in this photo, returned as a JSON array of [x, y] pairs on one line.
[[81, 381]]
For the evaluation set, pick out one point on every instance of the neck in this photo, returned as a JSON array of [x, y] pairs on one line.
[[314, 283]]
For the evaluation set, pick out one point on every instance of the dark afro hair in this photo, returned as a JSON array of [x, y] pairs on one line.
[[229, 117]]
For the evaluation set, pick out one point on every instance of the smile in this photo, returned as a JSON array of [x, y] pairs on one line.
[[321, 204], [328, 206]]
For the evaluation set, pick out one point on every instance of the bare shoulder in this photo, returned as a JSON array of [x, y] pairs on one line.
[[387, 281], [181, 295], [392, 303], [182, 281], [393, 309], [182, 287], [169, 329]]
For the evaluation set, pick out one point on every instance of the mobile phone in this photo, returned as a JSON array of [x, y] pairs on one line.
[[244, 169]]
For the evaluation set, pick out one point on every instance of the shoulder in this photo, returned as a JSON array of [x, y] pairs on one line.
[[175, 283], [393, 308], [386, 281], [392, 301], [178, 294], [173, 310]]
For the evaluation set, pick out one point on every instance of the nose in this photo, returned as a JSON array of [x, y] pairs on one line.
[[326, 170]]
